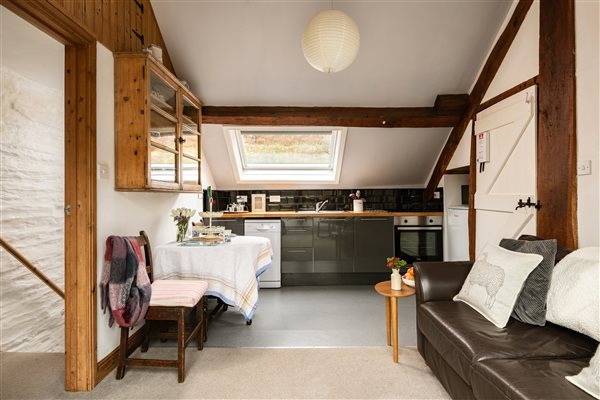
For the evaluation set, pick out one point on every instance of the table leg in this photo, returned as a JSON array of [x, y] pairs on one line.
[[394, 311], [387, 320]]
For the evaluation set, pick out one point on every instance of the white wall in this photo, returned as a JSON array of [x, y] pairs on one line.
[[588, 119], [31, 185], [125, 213], [522, 63]]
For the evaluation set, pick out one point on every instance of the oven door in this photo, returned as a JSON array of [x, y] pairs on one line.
[[419, 243]]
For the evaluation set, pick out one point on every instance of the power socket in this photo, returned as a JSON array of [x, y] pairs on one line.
[[584, 167]]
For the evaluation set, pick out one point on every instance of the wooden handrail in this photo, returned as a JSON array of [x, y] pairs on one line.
[[21, 258]]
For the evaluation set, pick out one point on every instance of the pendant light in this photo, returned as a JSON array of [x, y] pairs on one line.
[[330, 41]]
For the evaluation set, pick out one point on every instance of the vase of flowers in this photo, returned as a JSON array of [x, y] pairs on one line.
[[395, 264], [182, 216]]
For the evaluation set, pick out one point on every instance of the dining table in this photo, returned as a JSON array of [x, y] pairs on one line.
[[231, 269]]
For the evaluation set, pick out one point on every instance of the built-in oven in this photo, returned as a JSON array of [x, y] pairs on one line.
[[419, 238]]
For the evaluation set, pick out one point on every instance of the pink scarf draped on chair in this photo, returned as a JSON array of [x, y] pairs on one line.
[[125, 287]]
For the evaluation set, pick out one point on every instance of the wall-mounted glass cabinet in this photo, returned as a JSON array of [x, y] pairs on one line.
[[158, 128]]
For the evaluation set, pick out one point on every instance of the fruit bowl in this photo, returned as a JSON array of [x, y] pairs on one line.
[[408, 282]]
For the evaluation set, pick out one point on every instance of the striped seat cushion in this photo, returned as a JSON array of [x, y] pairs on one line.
[[177, 293]]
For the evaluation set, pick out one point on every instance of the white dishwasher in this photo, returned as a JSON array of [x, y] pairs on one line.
[[270, 229]]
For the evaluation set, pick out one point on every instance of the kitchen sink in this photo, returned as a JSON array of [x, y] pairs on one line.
[[321, 212]]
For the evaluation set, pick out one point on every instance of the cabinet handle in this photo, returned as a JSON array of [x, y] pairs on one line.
[[181, 140], [296, 251], [297, 230]]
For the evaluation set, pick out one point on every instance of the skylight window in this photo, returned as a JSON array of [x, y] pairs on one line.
[[288, 154]]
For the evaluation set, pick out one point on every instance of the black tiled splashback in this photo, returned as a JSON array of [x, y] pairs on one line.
[[339, 199]]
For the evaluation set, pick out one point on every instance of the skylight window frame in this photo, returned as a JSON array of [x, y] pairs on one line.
[[285, 173], [333, 133]]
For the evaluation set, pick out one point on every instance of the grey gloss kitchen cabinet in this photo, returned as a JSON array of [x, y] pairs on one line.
[[235, 224], [373, 241], [296, 232], [297, 246], [333, 244]]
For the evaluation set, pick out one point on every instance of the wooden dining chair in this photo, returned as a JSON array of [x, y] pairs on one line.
[[171, 300]]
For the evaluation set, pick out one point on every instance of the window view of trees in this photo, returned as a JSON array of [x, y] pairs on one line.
[[287, 148]]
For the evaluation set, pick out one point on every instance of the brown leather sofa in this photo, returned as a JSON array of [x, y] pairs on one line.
[[473, 359]]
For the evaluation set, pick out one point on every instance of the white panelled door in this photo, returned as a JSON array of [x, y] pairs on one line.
[[510, 174]]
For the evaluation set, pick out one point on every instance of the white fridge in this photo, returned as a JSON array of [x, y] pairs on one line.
[[457, 219]]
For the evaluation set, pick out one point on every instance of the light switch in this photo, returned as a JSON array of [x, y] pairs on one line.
[[274, 199], [437, 195], [102, 171], [584, 167]]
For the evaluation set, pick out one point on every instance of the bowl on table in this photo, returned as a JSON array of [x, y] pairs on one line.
[[408, 282]]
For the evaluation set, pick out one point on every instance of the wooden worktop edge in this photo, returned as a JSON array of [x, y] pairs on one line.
[[292, 214]]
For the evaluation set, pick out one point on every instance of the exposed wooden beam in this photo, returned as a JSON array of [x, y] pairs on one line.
[[458, 171], [451, 104], [446, 112], [506, 94], [472, 190], [557, 145], [486, 76]]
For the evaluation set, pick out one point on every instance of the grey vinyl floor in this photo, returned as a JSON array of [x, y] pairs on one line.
[[314, 316]]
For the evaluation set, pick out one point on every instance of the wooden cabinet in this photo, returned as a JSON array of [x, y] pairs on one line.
[[158, 123]]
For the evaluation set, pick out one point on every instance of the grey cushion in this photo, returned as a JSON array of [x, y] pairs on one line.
[[561, 252], [530, 307]]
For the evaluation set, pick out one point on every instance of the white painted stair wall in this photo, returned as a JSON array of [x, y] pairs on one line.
[[31, 186]]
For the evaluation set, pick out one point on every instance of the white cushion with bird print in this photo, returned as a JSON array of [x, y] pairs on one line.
[[495, 280]]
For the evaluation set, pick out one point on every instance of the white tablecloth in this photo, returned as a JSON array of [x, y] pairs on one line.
[[231, 269]]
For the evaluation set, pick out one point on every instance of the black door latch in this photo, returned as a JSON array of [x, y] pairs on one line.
[[528, 203]]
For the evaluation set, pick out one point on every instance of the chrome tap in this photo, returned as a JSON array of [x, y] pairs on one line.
[[321, 204]]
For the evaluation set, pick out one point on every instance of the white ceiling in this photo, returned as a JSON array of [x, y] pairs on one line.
[[249, 52]]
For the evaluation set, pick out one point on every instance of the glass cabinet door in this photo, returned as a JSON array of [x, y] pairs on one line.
[[163, 96], [163, 129], [163, 165], [190, 143]]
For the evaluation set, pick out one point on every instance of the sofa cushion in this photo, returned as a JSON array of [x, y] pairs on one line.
[[573, 297], [495, 281], [531, 303], [527, 379], [463, 336], [588, 379], [561, 252]]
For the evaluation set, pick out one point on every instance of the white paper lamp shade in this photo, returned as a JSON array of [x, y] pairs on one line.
[[330, 41]]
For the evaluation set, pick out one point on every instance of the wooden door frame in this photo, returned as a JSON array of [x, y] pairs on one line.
[[80, 184]]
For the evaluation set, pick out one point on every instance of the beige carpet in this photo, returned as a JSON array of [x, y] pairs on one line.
[[239, 373]]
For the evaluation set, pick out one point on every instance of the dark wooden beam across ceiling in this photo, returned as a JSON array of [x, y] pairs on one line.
[[486, 76], [557, 144], [447, 112]]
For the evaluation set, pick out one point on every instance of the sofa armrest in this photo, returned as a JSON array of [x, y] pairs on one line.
[[439, 280]]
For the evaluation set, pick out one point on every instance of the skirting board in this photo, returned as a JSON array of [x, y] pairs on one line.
[[108, 363]]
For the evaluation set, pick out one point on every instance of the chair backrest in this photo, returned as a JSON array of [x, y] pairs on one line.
[[145, 243]]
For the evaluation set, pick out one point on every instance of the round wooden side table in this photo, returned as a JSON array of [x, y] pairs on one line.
[[391, 310]]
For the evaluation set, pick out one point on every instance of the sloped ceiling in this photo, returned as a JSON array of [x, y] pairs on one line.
[[245, 53], [373, 158]]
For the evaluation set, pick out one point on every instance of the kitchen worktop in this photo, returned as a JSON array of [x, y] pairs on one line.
[[295, 214]]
